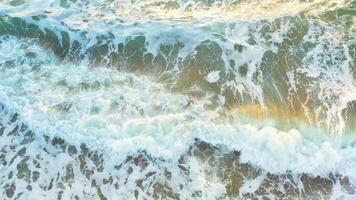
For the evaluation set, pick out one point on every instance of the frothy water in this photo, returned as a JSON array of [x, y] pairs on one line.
[[177, 100]]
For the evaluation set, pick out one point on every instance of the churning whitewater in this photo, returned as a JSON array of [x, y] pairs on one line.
[[177, 99]]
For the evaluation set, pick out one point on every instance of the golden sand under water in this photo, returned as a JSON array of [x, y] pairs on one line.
[[285, 117], [245, 10], [199, 130]]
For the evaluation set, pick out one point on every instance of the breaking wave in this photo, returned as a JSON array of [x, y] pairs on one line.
[[177, 99]]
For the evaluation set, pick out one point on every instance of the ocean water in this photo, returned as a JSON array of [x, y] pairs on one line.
[[177, 99]]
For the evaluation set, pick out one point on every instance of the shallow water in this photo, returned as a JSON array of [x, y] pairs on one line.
[[177, 99]]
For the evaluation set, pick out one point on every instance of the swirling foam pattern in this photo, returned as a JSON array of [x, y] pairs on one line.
[[177, 99]]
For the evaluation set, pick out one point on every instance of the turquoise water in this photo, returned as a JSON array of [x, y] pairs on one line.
[[177, 99]]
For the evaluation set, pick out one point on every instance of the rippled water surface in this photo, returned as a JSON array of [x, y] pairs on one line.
[[177, 99]]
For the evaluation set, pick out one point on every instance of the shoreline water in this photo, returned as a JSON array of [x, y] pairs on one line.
[[177, 99]]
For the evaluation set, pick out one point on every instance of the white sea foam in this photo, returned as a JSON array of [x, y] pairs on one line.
[[126, 113], [120, 114]]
